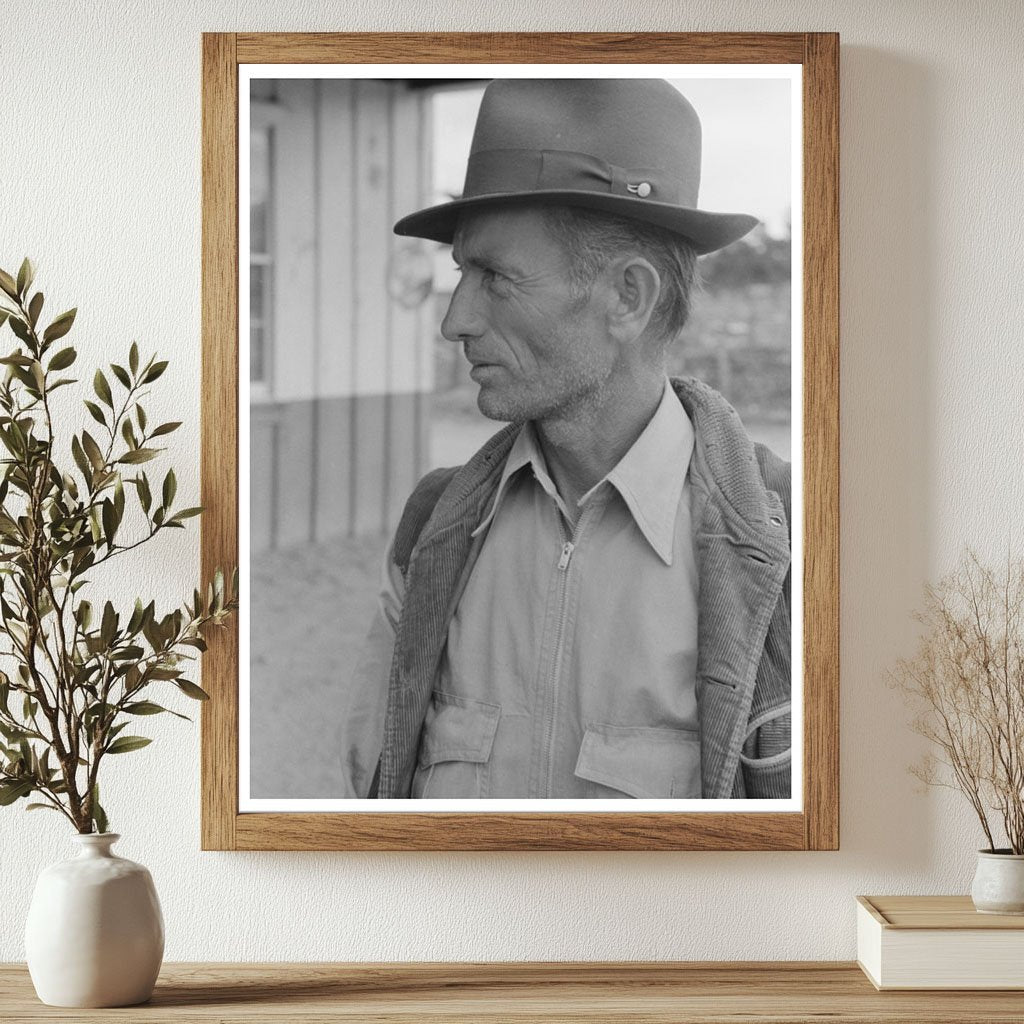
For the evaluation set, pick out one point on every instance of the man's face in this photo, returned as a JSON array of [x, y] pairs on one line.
[[537, 350]]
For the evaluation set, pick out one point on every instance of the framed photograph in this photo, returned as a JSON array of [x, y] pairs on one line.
[[520, 417]]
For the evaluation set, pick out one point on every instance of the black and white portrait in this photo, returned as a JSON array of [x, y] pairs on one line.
[[520, 474]]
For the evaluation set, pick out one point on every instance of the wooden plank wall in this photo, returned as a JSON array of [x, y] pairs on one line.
[[340, 441]]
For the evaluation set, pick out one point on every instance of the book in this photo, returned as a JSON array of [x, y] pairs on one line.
[[938, 942]]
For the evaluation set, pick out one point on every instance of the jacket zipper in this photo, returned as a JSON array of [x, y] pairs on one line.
[[554, 681], [567, 549]]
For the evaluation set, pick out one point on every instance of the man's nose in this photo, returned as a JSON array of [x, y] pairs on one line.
[[462, 320]]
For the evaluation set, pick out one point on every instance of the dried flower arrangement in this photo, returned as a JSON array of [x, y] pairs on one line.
[[967, 680]]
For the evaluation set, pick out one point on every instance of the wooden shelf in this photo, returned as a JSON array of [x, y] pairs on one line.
[[696, 993]]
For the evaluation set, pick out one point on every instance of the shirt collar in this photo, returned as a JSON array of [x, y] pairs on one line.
[[650, 477], [525, 451]]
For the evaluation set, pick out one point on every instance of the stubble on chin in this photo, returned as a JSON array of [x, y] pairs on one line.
[[568, 404], [496, 407]]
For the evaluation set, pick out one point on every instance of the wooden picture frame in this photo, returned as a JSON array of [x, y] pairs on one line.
[[816, 826]]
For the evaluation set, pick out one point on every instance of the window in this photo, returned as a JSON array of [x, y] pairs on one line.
[[261, 149]]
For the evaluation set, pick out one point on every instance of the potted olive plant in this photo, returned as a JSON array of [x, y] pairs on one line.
[[967, 682], [77, 673]]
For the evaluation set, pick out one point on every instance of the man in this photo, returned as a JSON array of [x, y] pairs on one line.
[[597, 604]]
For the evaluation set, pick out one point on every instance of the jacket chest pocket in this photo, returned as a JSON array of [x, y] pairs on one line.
[[455, 748], [640, 762]]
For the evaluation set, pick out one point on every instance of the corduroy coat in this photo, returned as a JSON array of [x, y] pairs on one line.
[[742, 542]]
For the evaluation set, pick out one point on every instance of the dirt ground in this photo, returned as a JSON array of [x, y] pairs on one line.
[[317, 601]]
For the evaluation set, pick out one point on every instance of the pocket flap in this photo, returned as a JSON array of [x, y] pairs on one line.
[[458, 729], [642, 762]]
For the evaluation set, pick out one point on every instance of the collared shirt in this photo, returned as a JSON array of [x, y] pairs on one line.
[[570, 664]]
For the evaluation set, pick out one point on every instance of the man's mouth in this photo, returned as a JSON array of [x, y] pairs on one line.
[[478, 363]]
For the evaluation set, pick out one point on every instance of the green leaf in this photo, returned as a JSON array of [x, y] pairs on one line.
[[119, 498], [4, 314], [191, 690], [170, 487], [133, 358], [99, 816], [147, 707], [95, 528], [20, 329], [11, 791], [154, 371], [165, 428], [7, 283], [143, 707], [135, 622], [63, 359], [163, 673], [34, 308], [140, 415], [139, 455], [142, 484], [130, 653], [10, 442], [17, 359], [95, 711], [128, 433], [12, 733], [121, 374], [80, 458], [125, 744], [109, 521], [102, 388], [42, 807], [26, 274], [60, 326], [185, 513], [96, 412], [132, 679], [92, 449], [108, 627]]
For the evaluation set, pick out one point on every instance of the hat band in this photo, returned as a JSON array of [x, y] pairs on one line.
[[497, 171]]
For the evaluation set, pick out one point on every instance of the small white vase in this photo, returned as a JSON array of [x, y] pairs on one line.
[[95, 933], [999, 882]]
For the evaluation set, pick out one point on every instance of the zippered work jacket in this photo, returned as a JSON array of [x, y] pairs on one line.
[[742, 543]]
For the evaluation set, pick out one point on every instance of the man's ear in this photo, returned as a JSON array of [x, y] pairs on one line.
[[635, 289]]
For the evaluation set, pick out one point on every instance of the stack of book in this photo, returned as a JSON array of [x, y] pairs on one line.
[[907, 942]]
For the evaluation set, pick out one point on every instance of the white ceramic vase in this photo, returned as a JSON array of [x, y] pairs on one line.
[[999, 882], [95, 933]]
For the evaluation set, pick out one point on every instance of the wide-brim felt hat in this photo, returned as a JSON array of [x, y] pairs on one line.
[[628, 147]]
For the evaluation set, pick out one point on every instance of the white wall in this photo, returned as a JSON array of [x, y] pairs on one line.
[[99, 181]]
